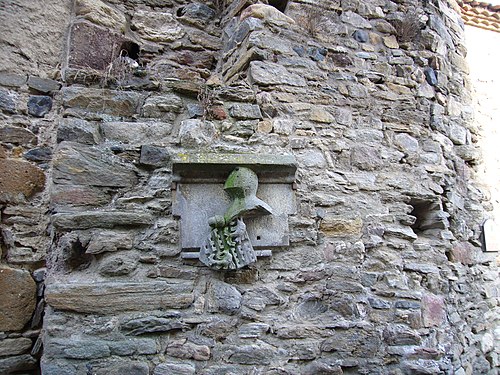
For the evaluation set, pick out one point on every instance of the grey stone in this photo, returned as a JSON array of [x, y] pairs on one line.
[[196, 133], [400, 335], [39, 154], [130, 347], [44, 85], [430, 76], [253, 330], [154, 156], [81, 165], [407, 305], [121, 368], [116, 297], [16, 135], [366, 158], [245, 111], [78, 130], [152, 324], [313, 158], [83, 349], [100, 104], [164, 106], [322, 367], [117, 265], [406, 143], [261, 354], [12, 80], [101, 219], [174, 369], [361, 36], [39, 274], [224, 298], [187, 350], [10, 347], [196, 13], [136, 132], [17, 364], [355, 20], [458, 134], [8, 101], [39, 105], [157, 26], [267, 74], [109, 241]]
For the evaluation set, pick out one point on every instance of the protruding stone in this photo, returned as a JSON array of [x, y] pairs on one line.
[[75, 164], [245, 111], [18, 296], [224, 297], [99, 13], [267, 73], [157, 26], [117, 297], [44, 85], [154, 156], [195, 133], [338, 226]]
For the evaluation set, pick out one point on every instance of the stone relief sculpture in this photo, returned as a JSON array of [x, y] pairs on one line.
[[228, 246]]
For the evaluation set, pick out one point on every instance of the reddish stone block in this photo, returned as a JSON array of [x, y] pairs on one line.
[[19, 178], [462, 252], [18, 298], [433, 310], [93, 47]]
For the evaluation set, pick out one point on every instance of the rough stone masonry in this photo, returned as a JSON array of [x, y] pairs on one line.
[[385, 272]]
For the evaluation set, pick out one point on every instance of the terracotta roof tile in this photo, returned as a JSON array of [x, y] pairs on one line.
[[480, 14]]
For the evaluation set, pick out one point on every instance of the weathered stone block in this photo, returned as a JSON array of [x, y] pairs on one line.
[[101, 14], [116, 297], [433, 310], [93, 47], [39, 105], [18, 296], [337, 226], [224, 297], [136, 132], [109, 241], [174, 369], [120, 367], [75, 164], [117, 265], [261, 354], [366, 158], [8, 101], [157, 26], [19, 179], [154, 156], [245, 111], [267, 73], [400, 335], [187, 350], [101, 103], [17, 346], [76, 195], [164, 106], [101, 219], [44, 85], [78, 130], [17, 364], [196, 133], [152, 324], [16, 135]]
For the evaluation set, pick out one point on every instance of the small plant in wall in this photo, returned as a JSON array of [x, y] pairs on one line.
[[312, 20], [207, 96], [408, 27]]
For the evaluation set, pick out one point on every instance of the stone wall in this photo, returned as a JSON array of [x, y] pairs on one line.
[[384, 273]]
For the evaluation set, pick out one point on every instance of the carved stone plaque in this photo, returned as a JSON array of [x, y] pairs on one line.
[[199, 195]]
